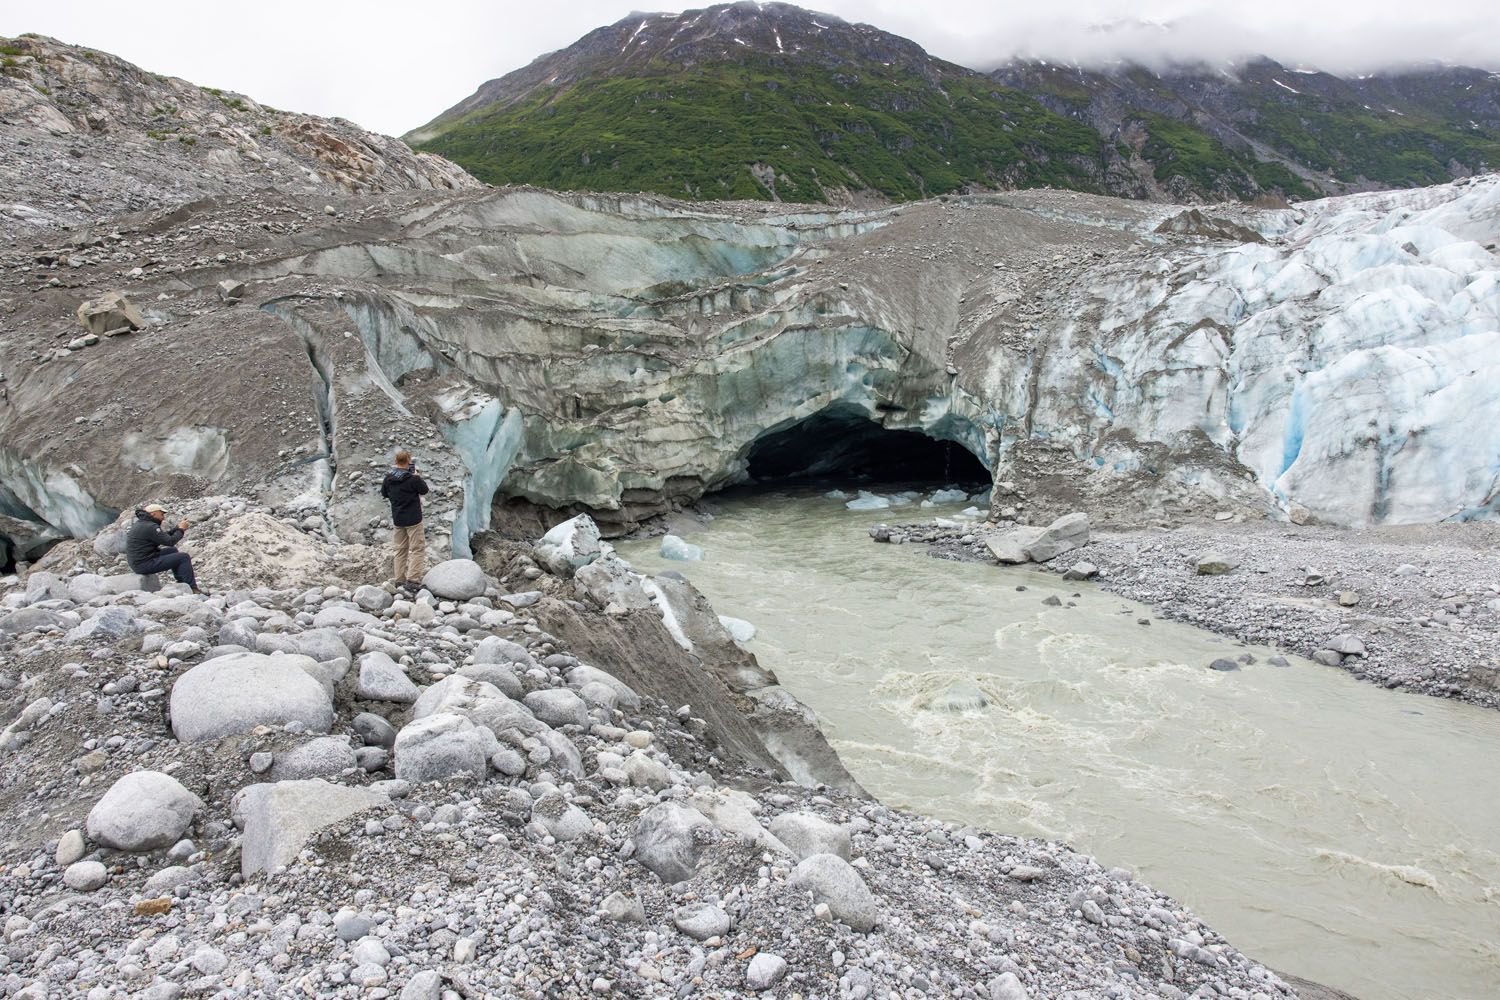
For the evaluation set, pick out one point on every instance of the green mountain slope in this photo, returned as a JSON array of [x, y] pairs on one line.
[[752, 100], [756, 128]]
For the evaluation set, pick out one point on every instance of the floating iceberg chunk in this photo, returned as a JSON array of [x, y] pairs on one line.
[[836, 495], [971, 512], [741, 630], [673, 547], [960, 696], [949, 496], [868, 501]]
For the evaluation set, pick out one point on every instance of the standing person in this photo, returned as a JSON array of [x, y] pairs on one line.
[[405, 489], [150, 550]]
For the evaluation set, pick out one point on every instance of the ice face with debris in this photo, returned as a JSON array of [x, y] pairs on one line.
[[1343, 363]]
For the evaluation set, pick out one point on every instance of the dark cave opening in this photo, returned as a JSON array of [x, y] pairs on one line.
[[843, 443]]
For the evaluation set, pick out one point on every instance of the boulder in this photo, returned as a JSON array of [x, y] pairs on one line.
[[30, 620], [375, 731], [454, 694], [1067, 533], [832, 880], [666, 840], [456, 580], [443, 746], [326, 757], [338, 616], [231, 291], [561, 819], [1081, 571], [110, 313], [609, 582], [373, 599], [701, 921], [1215, 564], [498, 674], [583, 674], [805, 834], [106, 624], [569, 546], [493, 649], [1010, 547], [142, 811], [765, 971], [321, 644], [278, 818], [1346, 645], [85, 876], [558, 707], [231, 695], [382, 679]]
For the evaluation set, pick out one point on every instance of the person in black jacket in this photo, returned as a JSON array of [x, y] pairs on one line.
[[150, 549], [405, 489]]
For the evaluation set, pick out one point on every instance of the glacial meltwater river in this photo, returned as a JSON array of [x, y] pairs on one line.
[[1329, 828]]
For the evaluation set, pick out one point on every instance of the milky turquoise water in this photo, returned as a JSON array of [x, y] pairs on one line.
[[1330, 828]]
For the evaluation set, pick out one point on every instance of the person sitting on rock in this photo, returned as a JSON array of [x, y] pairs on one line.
[[405, 489], [150, 550]]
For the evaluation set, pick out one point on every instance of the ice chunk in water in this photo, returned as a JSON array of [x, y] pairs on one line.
[[741, 630], [836, 495], [949, 496], [960, 696], [673, 547], [868, 501]]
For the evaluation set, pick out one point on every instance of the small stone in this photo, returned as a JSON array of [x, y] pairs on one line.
[[701, 921], [85, 876], [70, 848], [765, 971]]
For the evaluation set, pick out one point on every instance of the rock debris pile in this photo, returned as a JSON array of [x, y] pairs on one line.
[[337, 790]]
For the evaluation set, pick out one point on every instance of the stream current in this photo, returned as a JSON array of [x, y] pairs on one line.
[[1329, 828]]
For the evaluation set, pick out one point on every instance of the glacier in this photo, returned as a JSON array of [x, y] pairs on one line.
[[560, 354]]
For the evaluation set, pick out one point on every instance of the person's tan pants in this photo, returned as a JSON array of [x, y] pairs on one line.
[[411, 553]]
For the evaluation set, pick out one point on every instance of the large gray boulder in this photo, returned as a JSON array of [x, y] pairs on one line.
[[805, 834], [231, 695], [558, 707], [456, 693], [142, 811], [382, 679], [666, 840], [322, 644], [609, 581], [832, 880], [106, 625], [30, 619], [494, 649], [501, 675], [325, 757], [1067, 533], [443, 746], [1010, 547], [278, 818], [583, 675], [456, 580]]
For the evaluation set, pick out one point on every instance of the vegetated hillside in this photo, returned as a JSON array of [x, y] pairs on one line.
[[755, 101], [769, 100], [1200, 126]]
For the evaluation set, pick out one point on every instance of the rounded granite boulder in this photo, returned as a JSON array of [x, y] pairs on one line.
[[143, 811], [456, 580], [233, 694]]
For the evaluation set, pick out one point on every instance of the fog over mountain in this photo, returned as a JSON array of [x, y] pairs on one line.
[[391, 65]]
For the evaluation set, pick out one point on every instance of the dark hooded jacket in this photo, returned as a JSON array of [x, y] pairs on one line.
[[146, 538], [404, 489]]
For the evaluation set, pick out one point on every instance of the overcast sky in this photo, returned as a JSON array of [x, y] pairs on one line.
[[392, 65]]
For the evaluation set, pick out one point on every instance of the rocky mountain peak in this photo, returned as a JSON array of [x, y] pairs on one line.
[[779, 34]]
